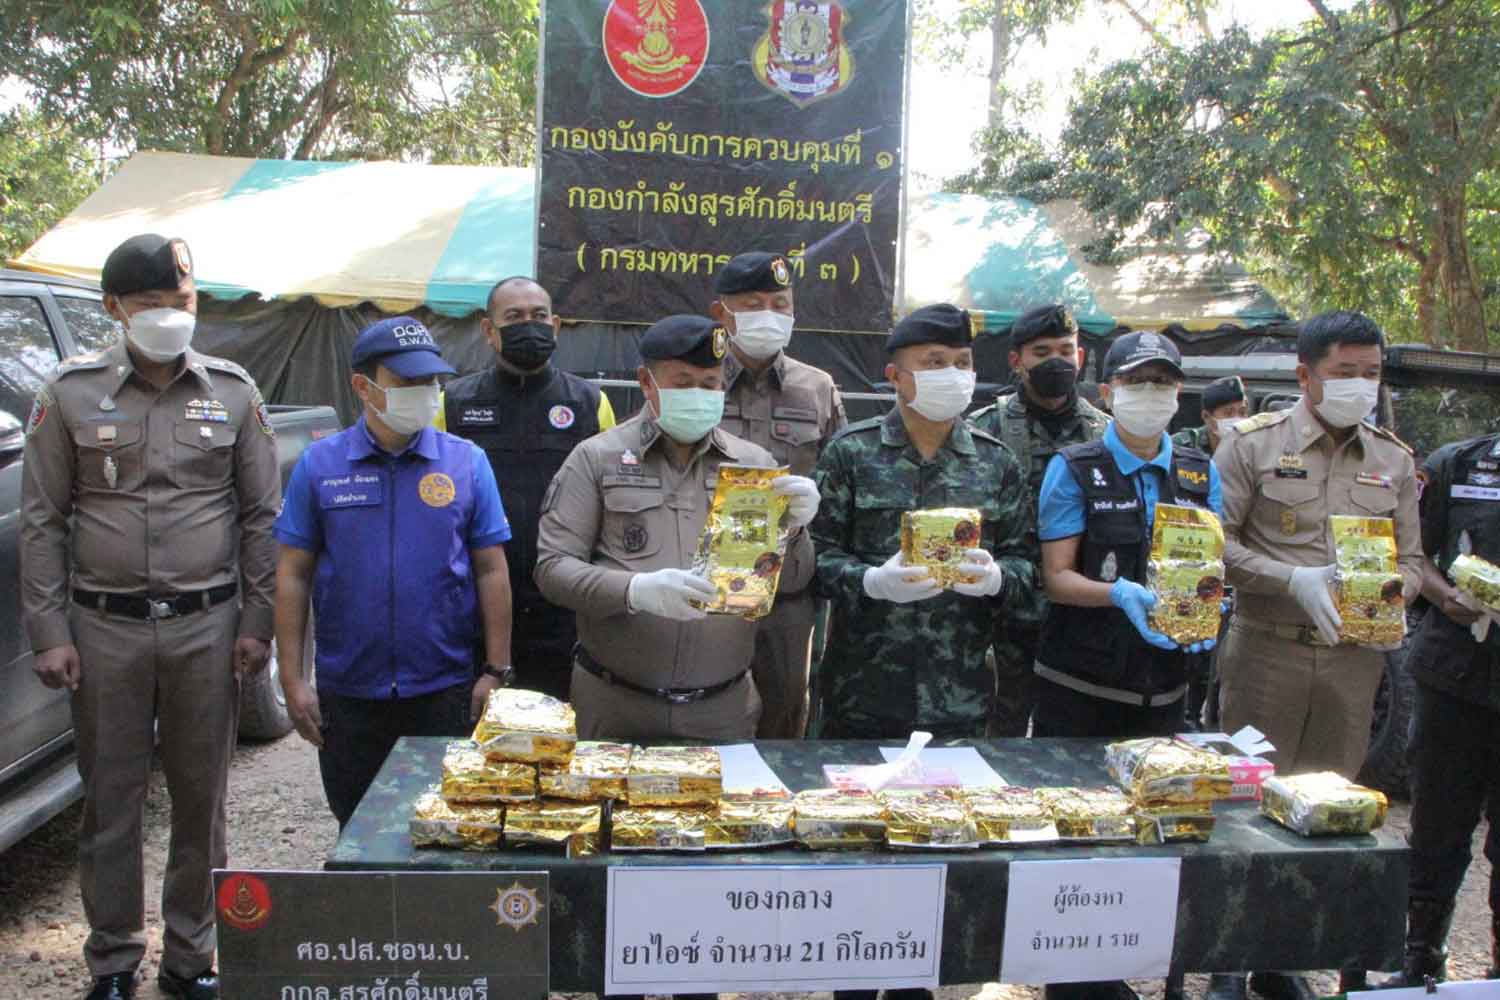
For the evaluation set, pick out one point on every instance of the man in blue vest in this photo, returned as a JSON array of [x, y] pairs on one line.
[[396, 530]]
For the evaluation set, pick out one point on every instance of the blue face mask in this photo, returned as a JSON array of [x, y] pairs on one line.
[[688, 415]]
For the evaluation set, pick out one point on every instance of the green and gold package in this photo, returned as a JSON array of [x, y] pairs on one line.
[[436, 822], [1090, 814], [1185, 571], [1479, 579], [747, 824], [675, 776], [1367, 587], [1322, 804], [938, 539], [744, 541], [1010, 815]]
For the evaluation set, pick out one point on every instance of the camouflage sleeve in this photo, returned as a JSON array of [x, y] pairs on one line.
[[1015, 545], [840, 573]]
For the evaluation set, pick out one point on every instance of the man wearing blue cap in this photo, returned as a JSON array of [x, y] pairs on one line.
[[396, 530]]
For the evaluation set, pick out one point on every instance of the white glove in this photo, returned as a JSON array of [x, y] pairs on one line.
[[1310, 586], [802, 499], [667, 593], [897, 582], [979, 563], [1481, 626]]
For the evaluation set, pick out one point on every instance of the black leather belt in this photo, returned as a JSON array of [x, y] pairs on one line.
[[677, 696], [154, 608]]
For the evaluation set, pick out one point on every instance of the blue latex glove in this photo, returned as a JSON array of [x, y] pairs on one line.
[[1203, 647], [1136, 601]]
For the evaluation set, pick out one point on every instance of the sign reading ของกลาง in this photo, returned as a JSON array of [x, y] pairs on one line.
[[324, 935], [774, 927], [1090, 920]]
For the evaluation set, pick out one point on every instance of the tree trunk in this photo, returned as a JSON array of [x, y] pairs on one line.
[[1461, 293], [1000, 59], [1427, 303]]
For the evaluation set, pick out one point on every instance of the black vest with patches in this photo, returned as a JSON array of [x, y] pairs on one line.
[[1099, 645]]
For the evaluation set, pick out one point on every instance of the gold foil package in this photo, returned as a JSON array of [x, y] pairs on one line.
[[1367, 588], [1171, 824], [470, 776], [744, 541], [527, 727], [1479, 579], [1322, 804], [1185, 571], [1009, 816], [748, 824], [938, 539], [1162, 771], [595, 772], [436, 822], [674, 776], [926, 818], [651, 829], [550, 823], [830, 818], [1090, 814]]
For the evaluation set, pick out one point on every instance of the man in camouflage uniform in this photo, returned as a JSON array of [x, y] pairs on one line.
[[1044, 415], [1223, 403]]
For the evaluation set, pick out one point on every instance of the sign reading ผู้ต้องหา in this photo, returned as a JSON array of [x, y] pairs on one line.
[[677, 133]]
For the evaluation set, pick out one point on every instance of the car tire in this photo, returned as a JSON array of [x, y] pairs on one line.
[[1385, 764], [263, 714]]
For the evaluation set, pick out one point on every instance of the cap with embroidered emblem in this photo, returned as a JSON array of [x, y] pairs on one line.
[[697, 340], [1132, 350], [940, 323], [403, 345], [146, 263], [756, 271], [1222, 391]]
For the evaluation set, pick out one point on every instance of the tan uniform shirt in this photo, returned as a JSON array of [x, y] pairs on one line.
[[790, 409], [1282, 476], [619, 507], [133, 490]]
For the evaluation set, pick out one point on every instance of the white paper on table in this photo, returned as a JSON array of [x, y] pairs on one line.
[[964, 763], [744, 770], [1483, 989]]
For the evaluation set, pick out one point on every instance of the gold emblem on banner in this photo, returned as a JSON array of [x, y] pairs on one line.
[[516, 907]]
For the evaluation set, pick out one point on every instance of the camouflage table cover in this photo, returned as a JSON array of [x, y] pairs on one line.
[[1256, 896]]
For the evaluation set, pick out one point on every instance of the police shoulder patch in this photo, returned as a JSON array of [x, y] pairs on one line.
[[1269, 418], [40, 406], [1389, 435], [91, 361], [224, 365]]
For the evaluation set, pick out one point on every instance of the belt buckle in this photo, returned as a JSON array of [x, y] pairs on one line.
[[160, 609], [682, 697]]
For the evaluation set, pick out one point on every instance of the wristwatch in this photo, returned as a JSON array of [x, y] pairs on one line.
[[501, 674]]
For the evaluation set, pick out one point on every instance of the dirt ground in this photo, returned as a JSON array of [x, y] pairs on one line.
[[278, 820]]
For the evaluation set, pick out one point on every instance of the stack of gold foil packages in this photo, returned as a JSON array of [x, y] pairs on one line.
[[436, 822], [938, 539], [645, 828], [674, 776], [1367, 587], [744, 541], [918, 818], [471, 777], [1322, 804], [1093, 815], [1479, 579], [1173, 785], [573, 826], [526, 727], [741, 824], [596, 771], [1010, 816], [1185, 571], [835, 819]]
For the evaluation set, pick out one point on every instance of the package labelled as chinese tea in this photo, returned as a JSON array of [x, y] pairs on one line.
[[470, 776], [1322, 804], [651, 828], [938, 540], [554, 823], [1479, 579], [526, 726], [674, 776], [1010, 816], [436, 822], [1159, 770], [748, 823], [1090, 814], [744, 541], [1367, 588], [833, 818], [1171, 824], [926, 818], [596, 771], [1185, 571]]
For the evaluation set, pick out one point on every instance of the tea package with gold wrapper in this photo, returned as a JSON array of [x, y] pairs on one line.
[[744, 541], [1479, 579], [748, 823], [1185, 571], [470, 776], [436, 822], [1090, 814], [526, 726], [938, 539], [926, 818], [1164, 771], [1172, 824], [674, 776], [552, 823], [1322, 804], [1367, 588], [635, 828], [833, 818], [1009, 816], [596, 771]]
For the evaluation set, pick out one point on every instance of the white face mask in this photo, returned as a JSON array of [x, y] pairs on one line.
[[161, 335], [1347, 401], [942, 393], [409, 408], [1144, 411], [760, 333]]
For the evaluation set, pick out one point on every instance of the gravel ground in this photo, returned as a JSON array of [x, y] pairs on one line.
[[278, 820]]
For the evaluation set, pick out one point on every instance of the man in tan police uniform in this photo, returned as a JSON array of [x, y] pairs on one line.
[[620, 525], [147, 570], [790, 409]]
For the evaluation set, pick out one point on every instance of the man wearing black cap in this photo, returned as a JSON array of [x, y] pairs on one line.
[[1042, 417], [396, 531], [527, 414], [790, 409], [150, 485], [1224, 403], [620, 526]]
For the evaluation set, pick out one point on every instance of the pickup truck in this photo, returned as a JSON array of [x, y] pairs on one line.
[[43, 320]]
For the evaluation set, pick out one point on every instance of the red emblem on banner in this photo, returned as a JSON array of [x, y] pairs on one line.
[[802, 55], [244, 902], [655, 47]]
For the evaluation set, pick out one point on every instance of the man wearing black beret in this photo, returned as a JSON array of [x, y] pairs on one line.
[[1223, 403], [790, 409]]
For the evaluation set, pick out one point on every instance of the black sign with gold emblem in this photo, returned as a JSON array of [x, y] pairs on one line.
[[677, 134]]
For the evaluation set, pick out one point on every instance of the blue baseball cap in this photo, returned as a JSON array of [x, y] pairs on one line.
[[404, 346]]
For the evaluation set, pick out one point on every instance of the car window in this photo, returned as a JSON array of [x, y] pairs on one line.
[[1429, 417], [27, 353], [93, 329]]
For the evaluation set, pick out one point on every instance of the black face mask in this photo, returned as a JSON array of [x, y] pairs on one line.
[[527, 345], [1053, 378]]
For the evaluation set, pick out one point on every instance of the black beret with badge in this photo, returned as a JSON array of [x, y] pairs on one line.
[[146, 263], [1043, 321], [754, 272], [697, 340], [935, 324], [1222, 391]]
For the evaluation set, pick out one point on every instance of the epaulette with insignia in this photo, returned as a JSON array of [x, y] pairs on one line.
[[1390, 436], [225, 365], [856, 427], [1268, 418], [91, 361]]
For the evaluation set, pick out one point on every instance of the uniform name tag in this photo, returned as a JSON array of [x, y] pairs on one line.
[[1291, 473], [1115, 504], [476, 415], [1466, 492], [355, 489]]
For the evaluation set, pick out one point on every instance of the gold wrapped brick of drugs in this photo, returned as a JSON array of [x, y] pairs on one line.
[[1171, 824], [926, 818], [748, 823], [596, 771], [1009, 815], [526, 726], [1090, 814], [635, 828], [744, 541], [1164, 771], [436, 822], [938, 539], [1185, 570], [1367, 588], [674, 776], [552, 823], [830, 818], [1322, 804], [470, 776], [1478, 578]]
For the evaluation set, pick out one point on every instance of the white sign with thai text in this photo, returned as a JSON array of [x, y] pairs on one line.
[[709, 929], [1090, 920]]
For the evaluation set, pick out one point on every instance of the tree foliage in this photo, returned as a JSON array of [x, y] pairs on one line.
[[45, 171]]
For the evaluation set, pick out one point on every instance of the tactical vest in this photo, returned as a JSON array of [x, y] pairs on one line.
[[527, 426], [1099, 646]]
